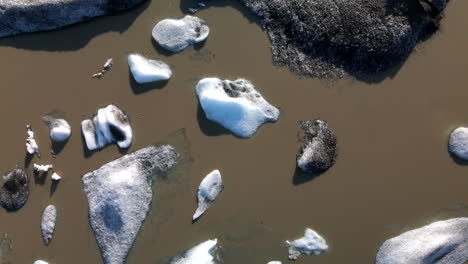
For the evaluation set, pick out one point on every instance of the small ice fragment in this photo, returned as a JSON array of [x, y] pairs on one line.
[[311, 243], [201, 4], [146, 70], [107, 66], [31, 145], [209, 189], [40, 262], [203, 253], [56, 177], [274, 262], [193, 10], [42, 168]]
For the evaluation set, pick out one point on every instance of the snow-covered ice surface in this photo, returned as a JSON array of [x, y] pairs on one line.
[[203, 253], [458, 142], [119, 195], [311, 243], [443, 242], [31, 144], [49, 217], [42, 168], [177, 34], [109, 125], [210, 187], [60, 129], [55, 176], [235, 105], [146, 70]]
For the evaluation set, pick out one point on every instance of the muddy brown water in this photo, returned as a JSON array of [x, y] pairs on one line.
[[393, 172]]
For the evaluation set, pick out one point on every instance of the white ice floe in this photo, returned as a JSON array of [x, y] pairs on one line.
[[42, 168], [274, 262], [458, 142], [203, 253], [49, 217], [108, 126], [145, 70], [311, 243], [40, 262], [177, 34], [31, 144], [209, 189], [119, 195], [56, 177], [235, 105]]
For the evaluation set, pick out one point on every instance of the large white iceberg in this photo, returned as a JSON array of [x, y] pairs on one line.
[[311, 243], [203, 253], [177, 34], [209, 189], [145, 70], [108, 126], [235, 105], [119, 195], [49, 217], [443, 242]]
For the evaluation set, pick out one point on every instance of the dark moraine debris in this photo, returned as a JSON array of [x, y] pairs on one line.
[[326, 38], [443, 242], [319, 152], [119, 196], [15, 190], [19, 16]]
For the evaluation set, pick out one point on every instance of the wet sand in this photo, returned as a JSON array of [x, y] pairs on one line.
[[393, 172]]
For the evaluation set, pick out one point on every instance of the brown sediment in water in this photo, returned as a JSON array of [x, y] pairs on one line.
[[393, 172]]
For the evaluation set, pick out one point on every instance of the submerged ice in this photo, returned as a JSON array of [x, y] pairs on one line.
[[210, 187], [203, 253], [119, 195], [109, 125], [146, 70], [311, 243], [235, 105]]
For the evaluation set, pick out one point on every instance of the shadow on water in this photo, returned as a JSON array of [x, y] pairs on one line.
[[458, 160], [53, 187], [301, 177], [57, 147], [27, 159], [207, 126], [138, 88], [40, 177], [75, 36]]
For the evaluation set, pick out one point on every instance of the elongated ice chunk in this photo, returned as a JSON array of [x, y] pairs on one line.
[[210, 187]]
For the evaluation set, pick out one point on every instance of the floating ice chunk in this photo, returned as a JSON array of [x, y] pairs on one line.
[[108, 126], [442, 242], [119, 195], [177, 34], [40, 262], [201, 4], [274, 262], [56, 177], [49, 217], [107, 66], [209, 189], [31, 145], [42, 168], [235, 105], [458, 142], [145, 70], [15, 190], [60, 129], [193, 10], [311, 243], [319, 152], [203, 253]]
